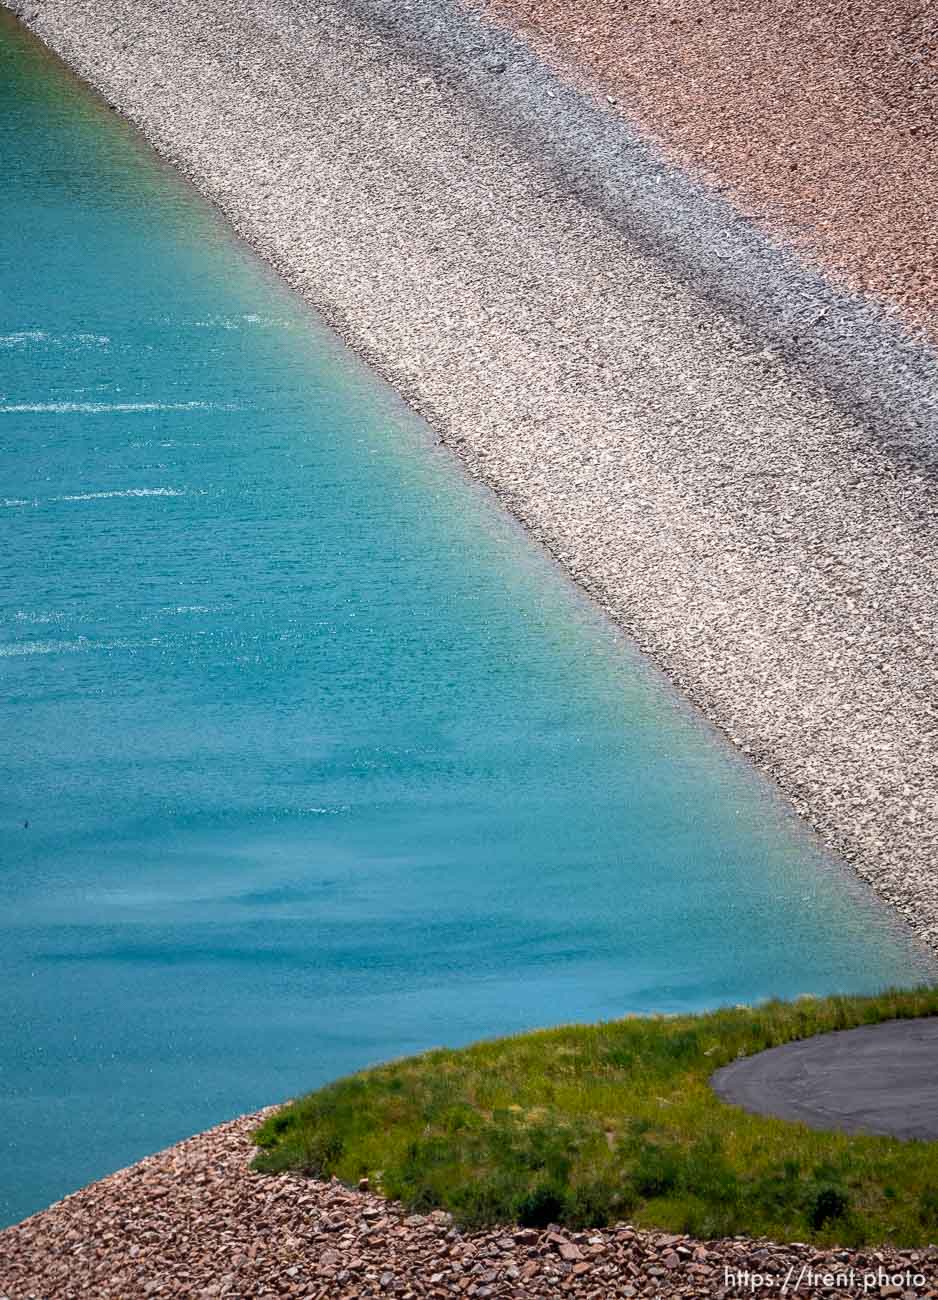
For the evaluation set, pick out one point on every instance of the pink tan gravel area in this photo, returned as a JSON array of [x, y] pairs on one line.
[[819, 117], [196, 1221]]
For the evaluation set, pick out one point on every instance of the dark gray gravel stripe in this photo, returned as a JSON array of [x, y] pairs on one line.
[[567, 341], [856, 354], [877, 1079]]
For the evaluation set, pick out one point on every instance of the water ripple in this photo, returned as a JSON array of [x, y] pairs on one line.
[[101, 408], [125, 492], [60, 647]]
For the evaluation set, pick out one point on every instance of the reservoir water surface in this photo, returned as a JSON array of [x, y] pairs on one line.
[[309, 756]]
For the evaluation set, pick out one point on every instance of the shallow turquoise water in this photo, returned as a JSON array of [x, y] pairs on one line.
[[322, 760]]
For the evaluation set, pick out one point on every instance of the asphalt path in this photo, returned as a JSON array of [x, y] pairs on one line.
[[876, 1079]]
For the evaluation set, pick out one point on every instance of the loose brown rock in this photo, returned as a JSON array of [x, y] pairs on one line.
[[195, 1221]]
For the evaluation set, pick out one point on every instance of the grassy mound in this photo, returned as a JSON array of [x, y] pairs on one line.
[[587, 1124]]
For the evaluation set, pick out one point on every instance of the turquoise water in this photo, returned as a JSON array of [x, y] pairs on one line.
[[322, 760]]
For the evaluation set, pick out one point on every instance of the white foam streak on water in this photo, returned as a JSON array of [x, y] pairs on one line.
[[23, 336], [59, 647], [13, 502], [236, 322], [39, 648], [124, 492], [22, 616], [100, 408]]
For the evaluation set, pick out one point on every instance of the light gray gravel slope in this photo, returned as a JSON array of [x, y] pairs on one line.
[[734, 460]]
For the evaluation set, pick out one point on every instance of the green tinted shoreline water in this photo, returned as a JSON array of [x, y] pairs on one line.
[[322, 759]]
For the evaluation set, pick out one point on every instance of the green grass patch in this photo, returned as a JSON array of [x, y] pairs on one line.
[[587, 1124]]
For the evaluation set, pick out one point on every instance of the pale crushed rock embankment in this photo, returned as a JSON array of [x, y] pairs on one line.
[[194, 1222], [734, 459]]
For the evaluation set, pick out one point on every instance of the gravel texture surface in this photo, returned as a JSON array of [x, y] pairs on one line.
[[820, 116], [875, 1079], [194, 1221], [736, 460]]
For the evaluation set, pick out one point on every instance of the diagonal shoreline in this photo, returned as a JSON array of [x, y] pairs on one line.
[[733, 458]]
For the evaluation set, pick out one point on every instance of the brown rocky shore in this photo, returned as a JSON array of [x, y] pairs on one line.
[[196, 1221]]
